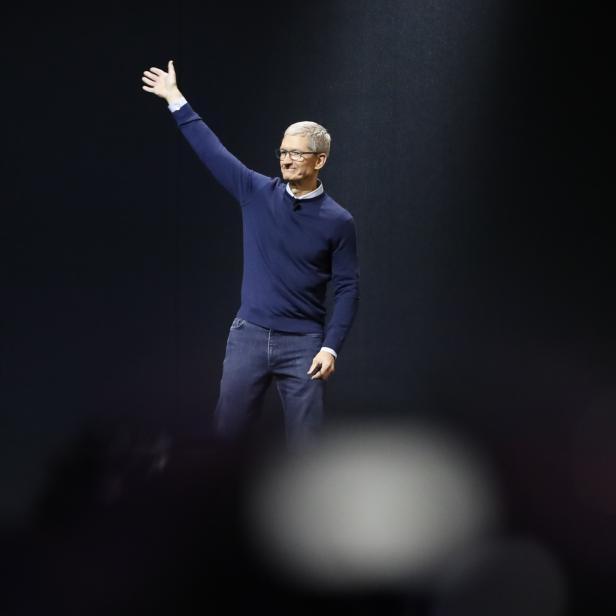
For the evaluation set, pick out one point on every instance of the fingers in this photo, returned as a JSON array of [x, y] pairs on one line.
[[316, 369], [321, 370], [322, 367], [323, 374], [313, 366], [170, 67], [153, 80]]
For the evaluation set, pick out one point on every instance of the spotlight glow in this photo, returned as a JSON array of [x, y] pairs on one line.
[[372, 506]]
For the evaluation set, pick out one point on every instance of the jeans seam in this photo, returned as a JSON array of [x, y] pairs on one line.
[[282, 402]]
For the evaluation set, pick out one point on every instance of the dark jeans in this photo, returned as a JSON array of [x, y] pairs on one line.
[[254, 357]]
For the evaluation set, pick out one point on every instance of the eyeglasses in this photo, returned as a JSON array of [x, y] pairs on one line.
[[294, 154]]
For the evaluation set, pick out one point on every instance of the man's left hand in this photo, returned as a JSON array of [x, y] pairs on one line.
[[323, 366]]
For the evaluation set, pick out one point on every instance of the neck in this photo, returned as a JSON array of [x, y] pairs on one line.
[[304, 186]]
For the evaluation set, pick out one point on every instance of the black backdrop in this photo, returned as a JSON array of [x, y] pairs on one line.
[[467, 143]]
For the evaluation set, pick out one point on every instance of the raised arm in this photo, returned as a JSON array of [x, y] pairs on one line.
[[238, 179]]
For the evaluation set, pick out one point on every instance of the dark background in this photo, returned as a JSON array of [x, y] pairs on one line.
[[468, 142]]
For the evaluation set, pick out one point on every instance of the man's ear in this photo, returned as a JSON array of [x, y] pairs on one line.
[[321, 160]]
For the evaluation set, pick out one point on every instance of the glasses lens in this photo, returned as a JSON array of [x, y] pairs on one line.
[[282, 153], [293, 154]]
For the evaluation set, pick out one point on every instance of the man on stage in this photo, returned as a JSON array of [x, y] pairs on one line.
[[296, 239]]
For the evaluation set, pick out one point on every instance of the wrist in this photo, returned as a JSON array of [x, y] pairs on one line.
[[174, 96], [330, 351]]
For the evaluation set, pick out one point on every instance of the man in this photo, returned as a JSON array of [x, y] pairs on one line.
[[296, 239]]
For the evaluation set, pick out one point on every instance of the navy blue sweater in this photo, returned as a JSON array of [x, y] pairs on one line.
[[292, 248]]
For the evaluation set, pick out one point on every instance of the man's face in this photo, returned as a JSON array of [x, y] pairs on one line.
[[296, 170]]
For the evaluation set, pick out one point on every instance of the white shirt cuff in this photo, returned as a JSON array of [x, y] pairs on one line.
[[330, 351], [177, 104]]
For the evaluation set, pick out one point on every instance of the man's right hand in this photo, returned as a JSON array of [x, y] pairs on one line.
[[162, 84]]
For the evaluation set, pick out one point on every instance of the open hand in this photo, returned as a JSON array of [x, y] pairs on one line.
[[160, 83]]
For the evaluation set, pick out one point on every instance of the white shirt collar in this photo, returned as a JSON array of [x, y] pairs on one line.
[[315, 193]]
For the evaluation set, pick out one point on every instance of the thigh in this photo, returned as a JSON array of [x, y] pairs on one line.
[[246, 358], [292, 355], [302, 397], [245, 376]]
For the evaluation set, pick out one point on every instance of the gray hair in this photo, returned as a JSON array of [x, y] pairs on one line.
[[320, 139]]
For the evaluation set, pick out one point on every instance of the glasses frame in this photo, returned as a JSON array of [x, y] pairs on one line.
[[280, 156]]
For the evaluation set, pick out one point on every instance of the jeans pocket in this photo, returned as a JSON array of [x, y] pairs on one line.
[[314, 338], [237, 323]]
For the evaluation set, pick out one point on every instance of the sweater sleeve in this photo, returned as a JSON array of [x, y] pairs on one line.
[[345, 278], [238, 179]]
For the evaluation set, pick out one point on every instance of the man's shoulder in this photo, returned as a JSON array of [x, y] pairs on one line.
[[336, 210], [264, 186]]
